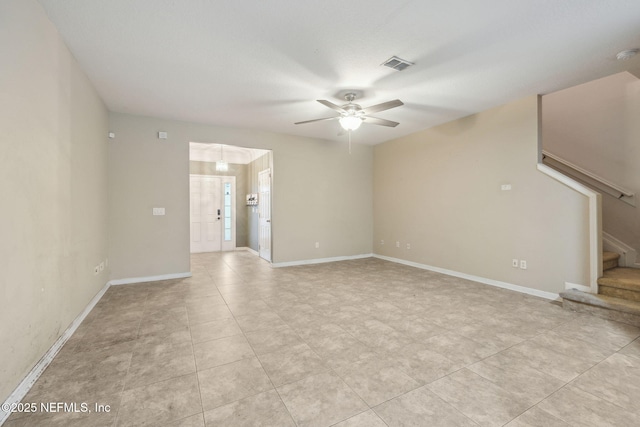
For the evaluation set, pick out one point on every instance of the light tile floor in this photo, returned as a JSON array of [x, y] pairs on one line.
[[355, 343]]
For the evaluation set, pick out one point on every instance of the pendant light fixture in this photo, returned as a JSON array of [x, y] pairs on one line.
[[221, 165]]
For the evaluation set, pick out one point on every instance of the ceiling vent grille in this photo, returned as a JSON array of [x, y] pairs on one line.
[[396, 63]]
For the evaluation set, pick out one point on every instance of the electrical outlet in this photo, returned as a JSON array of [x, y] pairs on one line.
[[382, 242], [317, 245], [397, 244], [514, 263], [408, 245], [523, 264], [102, 266]]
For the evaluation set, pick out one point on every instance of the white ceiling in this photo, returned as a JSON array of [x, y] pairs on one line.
[[204, 152], [262, 64]]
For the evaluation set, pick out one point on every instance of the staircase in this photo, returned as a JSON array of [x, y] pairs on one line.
[[618, 294]]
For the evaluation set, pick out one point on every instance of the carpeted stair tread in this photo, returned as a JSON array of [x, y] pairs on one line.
[[602, 301], [609, 256], [609, 260], [622, 278]]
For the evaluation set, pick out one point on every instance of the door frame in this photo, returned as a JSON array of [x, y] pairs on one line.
[[266, 255]]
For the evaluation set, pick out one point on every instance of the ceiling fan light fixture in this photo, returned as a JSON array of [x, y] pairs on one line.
[[350, 122], [352, 115], [627, 54]]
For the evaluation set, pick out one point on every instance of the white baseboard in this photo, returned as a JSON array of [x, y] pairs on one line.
[[248, 249], [582, 288], [26, 384], [497, 283], [149, 278], [28, 381], [320, 260]]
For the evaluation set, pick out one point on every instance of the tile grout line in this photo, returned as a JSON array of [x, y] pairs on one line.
[[301, 379], [124, 383], [255, 355], [195, 364], [265, 371], [588, 391]]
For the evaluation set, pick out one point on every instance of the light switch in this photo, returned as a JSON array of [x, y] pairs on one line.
[[505, 187], [162, 135], [158, 211]]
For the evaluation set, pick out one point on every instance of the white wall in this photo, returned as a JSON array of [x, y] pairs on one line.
[[320, 193], [53, 182], [596, 126], [439, 190]]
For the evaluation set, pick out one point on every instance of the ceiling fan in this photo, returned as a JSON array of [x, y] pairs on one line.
[[352, 115]]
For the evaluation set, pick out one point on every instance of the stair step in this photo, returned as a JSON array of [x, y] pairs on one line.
[[609, 260], [619, 293], [621, 277], [607, 307], [620, 283]]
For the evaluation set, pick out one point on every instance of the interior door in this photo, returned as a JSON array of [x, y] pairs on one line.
[[264, 214], [206, 210]]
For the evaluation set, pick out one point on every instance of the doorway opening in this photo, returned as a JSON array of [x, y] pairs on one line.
[[230, 198]]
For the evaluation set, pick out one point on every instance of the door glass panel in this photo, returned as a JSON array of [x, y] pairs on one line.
[[227, 211]]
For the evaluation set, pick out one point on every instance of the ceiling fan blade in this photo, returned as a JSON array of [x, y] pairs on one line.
[[381, 122], [316, 120], [331, 105], [384, 106]]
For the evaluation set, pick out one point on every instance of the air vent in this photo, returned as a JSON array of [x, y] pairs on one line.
[[397, 63]]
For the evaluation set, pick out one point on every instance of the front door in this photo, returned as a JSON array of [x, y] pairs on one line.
[[205, 214], [213, 213]]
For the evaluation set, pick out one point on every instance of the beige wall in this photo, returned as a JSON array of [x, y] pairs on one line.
[[320, 193], [53, 154], [596, 126], [439, 190], [240, 172], [147, 172]]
